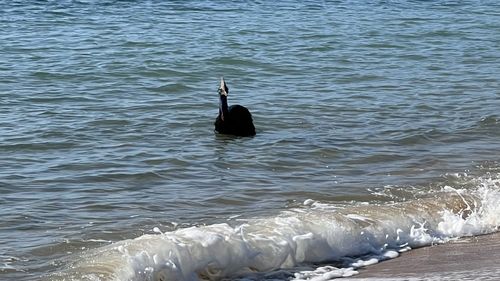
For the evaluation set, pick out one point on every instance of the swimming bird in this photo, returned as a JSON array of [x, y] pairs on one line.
[[235, 119]]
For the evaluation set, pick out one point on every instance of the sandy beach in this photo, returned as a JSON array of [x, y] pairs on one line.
[[470, 258]]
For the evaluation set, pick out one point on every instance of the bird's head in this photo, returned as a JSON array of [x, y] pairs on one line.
[[223, 89]]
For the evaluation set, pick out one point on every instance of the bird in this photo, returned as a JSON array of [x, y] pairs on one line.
[[233, 120]]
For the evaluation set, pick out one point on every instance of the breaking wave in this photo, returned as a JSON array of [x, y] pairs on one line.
[[317, 240]]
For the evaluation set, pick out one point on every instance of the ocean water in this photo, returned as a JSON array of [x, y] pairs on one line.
[[378, 130]]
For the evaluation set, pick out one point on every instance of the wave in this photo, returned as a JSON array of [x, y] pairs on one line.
[[315, 240]]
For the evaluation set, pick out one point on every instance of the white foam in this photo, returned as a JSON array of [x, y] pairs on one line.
[[324, 273], [316, 233]]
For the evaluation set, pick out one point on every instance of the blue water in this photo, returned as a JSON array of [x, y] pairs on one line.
[[107, 111]]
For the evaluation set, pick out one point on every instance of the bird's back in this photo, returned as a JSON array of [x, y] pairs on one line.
[[239, 122]]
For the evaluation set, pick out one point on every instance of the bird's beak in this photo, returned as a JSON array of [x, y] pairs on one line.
[[223, 87]]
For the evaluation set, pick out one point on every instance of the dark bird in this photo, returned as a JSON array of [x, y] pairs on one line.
[[235, 119]]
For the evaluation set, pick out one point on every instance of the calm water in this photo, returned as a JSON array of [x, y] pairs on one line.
[[107, 111]]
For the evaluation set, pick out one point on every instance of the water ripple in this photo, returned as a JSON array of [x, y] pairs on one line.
[[107, 111]]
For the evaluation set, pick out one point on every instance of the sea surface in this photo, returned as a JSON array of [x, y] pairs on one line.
[[378, 131]]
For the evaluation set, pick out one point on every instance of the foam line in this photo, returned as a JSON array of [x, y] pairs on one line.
[[315, 233]]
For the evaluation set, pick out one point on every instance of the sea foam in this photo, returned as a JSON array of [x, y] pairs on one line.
[[340, 240]]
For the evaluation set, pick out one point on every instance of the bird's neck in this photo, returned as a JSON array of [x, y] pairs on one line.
[[223, 111]]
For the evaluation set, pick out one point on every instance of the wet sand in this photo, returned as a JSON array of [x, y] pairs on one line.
[[472, 258]]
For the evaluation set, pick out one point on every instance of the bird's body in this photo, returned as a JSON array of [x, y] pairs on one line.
[[235, 119]]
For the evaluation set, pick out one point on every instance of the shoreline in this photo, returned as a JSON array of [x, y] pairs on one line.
[[468, 258]]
